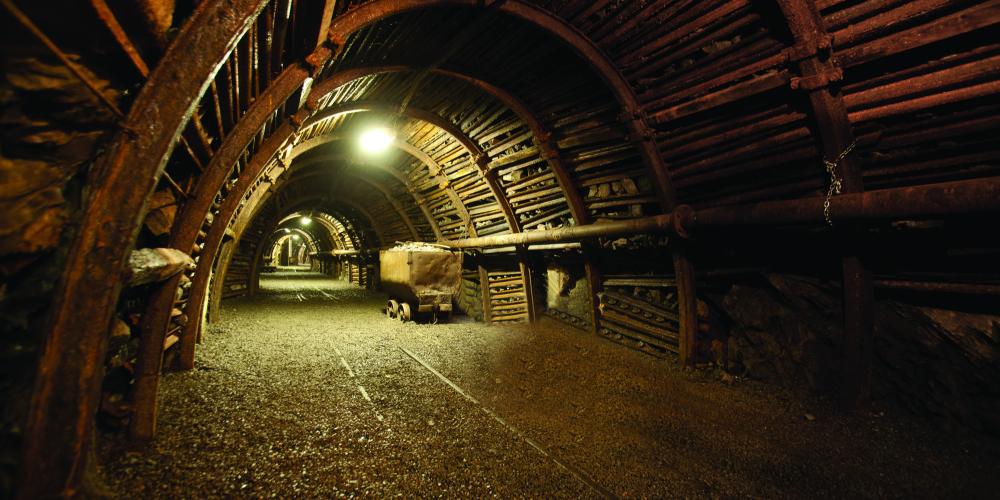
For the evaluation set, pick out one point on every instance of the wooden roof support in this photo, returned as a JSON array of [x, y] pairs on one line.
[[108, 18], [302, 148], [819, 71], [479, 157], [378, 187], [550, 151]]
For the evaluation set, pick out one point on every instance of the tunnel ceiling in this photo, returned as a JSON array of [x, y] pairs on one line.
[[713, 84]]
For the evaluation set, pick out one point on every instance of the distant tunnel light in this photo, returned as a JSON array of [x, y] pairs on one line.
[[376, 140], [305, 220]]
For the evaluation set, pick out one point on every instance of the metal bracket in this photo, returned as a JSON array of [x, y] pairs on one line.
[[299, 117], [483, 161], [683, 215], [318, 58], [817, 81], [810, 48]]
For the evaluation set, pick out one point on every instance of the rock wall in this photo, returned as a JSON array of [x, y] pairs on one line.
[[51, 129], [787, 330]]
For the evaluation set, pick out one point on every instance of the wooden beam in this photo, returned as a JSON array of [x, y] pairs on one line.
[[109, 20]]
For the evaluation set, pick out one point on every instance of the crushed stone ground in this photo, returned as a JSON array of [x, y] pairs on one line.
[[305, 392]]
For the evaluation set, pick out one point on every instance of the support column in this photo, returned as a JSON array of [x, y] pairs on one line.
[[484, 285], [529, 295], [687, 305], [813, 51], [595, 282]]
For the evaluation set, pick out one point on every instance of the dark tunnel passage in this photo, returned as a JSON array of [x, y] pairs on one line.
[[511, 248]]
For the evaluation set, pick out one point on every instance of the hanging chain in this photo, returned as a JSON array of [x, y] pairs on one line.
[[835, 181]]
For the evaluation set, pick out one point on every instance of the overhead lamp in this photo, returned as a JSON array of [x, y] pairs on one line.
[[306, 220], [376, 140]]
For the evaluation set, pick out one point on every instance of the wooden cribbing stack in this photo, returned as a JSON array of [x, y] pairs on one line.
[[653, 327]]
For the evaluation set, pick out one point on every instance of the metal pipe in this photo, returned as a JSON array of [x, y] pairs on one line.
[[654, 224], [337, 253], [940, 287], [931, 200]]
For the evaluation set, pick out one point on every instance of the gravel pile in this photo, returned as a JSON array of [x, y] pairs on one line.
[[305, 392]]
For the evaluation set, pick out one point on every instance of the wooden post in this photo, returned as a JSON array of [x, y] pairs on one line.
[[484, 285], [595, 283], [529, 295]]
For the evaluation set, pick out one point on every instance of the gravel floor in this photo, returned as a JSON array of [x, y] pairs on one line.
[[306, 392]]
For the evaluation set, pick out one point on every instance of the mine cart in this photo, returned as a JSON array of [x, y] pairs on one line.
[[420, 280]]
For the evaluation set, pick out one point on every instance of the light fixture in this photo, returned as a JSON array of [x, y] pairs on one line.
[[376, 140], [306, 220], [295, 237]]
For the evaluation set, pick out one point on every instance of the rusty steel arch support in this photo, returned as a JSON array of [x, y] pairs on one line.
[[192, 214], [359, 17], [631, 113], [834, 136], [184, 234], [64, 401]]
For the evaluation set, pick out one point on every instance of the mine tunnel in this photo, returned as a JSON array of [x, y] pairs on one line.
[[500, 248]]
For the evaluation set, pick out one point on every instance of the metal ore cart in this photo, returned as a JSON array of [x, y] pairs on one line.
[[421, 280]]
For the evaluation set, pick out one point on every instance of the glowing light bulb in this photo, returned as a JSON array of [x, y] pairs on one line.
[[376, 140], [305, 220]]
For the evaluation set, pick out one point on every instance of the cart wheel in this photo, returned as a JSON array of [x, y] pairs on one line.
[[404, 312], [391, 308]]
